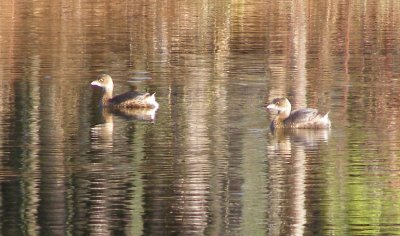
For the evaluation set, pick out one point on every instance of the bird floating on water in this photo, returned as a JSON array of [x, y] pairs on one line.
[[131, 99], [304, 118]]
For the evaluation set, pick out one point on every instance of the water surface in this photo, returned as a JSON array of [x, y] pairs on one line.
[[207, 164]]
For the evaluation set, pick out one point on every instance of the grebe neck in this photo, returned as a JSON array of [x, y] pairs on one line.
[[284, 114], [107, 95]]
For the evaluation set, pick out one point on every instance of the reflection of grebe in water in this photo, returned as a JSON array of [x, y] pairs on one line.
[[143, 114], [305, 118], [307, 138], [128, 100]]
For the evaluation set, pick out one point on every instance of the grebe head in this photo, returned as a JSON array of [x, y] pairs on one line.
[[104, 81], [280, 105]]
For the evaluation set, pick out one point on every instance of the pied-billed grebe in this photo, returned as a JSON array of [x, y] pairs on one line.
[[132, 99], [305, 118]]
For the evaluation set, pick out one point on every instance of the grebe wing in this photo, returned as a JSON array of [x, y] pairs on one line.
[[129, 96], [303, 115]]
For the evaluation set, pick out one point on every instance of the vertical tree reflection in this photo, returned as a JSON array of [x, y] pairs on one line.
[[202, 167], [289, 171]]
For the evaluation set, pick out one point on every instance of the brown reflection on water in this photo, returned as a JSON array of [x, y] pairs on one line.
[[194, 170], [296, 60], [53, 202], [289, 153], [195, 183], [110, 185], [99, 188]]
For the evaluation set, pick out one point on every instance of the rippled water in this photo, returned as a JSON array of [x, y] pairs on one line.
[[207, 164]]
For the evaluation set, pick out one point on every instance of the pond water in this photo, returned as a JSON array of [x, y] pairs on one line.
[[207, 164]]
